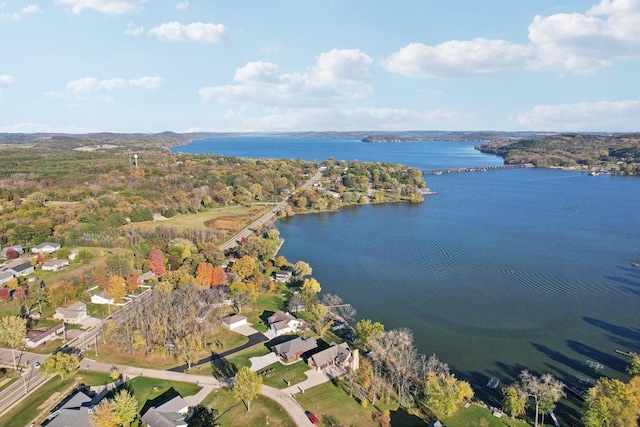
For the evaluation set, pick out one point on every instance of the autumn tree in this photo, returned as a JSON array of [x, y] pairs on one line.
[[244, 267], [612, 403], [247, 385], [156, 262], [13, 330], [443, 392], [204, 274], [117, 288], [241, 294], [12, 253], [104, 414], [125, 407], [218, 276], [514, 402], [540, 389], [188, 348], [366, 330], [302, 269], [60, 363], [60, 293], [634, 367]]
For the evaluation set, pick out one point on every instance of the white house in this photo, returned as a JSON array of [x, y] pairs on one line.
[[102, 298], [17, 248], [75, 313], [232, 322], [35, 338], [46, 247], [55, 264], [284, 323], [282, 276], [21, 270]]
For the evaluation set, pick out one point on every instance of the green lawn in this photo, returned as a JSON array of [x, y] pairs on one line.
[[151, 391], [232, 412], [473, 416], [198, 220], [242, 358], [9, 308], [275, 374], [266, 303]]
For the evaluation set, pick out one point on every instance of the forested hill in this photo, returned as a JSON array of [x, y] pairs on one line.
[[619, 153]]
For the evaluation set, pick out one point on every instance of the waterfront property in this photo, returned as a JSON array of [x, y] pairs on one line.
[[339, 355], [284, 323], [292, 350]]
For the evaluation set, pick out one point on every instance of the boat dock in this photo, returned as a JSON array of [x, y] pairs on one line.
[[474, 169]]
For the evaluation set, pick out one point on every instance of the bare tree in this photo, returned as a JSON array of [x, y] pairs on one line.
[[542, 390]]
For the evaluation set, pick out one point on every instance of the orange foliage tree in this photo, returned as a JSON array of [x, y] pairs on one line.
[[219, 277], [204, 274], [156, 262]]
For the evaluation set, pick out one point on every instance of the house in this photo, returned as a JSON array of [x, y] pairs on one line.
[[282, 276], [102, 298], [172, 413], [17, 248], [74, 411], [55, 264], [337, 355], [21, 270], [47, 247], [5, 276], [149, 275], [232, 322], [75, 313], [291, 350], [284, 323], [35, 338]]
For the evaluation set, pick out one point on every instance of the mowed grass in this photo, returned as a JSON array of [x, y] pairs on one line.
[[200, 220], [265, 304], [474, 416], [151, 391], [232, 412], [276, 374]]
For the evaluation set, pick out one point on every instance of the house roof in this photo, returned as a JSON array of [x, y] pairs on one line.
[[73, 412], [230, 320], [280, 316], [167, 414], [17, 248], [47, 244], [291, 348], [6, 275], [73, 310], [55, 262], [147, 276], [334, 354], [35, 336], [21, 267]]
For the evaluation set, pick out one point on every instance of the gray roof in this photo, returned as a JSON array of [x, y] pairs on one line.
[[21, 267], [290, 349], [74, 412], [279, 316], [6, 275], [233, 319], [336, 354], [167, 413]]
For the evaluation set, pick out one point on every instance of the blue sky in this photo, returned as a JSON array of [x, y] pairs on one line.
[[315, 65]]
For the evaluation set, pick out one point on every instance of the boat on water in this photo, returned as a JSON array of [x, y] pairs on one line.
[[493, 382], [635, 264]]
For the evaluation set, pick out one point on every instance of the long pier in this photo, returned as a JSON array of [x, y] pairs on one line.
[[474, 169]]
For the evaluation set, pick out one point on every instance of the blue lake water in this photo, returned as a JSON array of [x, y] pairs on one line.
[[500, 271]]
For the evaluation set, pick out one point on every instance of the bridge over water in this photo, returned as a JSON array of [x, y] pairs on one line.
[[474, 169]]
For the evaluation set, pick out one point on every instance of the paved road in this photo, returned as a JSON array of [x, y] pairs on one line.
[[29, 380], [253, 340], [267, 217]]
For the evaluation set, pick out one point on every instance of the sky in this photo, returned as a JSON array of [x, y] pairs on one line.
[[79, 66]]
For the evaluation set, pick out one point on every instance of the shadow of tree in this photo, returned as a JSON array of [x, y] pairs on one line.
[[166, 395], [221, 367]]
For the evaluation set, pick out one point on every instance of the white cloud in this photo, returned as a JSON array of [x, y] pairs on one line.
[[183, 5], [42, 128], [91, 84], [133, 30], [116, 7], [199, 32], [52, 94], [21, 13], [458, 58], [620, 116], [576, 43], [6, 79], [337, 76]]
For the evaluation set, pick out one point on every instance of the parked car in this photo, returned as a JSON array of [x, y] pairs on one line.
[[36, 365], [312, 417]]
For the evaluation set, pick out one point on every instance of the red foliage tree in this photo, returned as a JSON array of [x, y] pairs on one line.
[[156, 262], [12, 253], [131, 281], [19, 294], [40, 258], [218, 277], [4, 294]]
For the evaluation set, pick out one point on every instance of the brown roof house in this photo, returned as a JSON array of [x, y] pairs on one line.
[[337, 355], [292, 350], [35, 338], [284, 323], [75, 313]]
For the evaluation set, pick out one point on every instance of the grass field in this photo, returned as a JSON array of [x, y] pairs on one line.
[[232, 412], [231, 218], [475, 415], [151, 392], [276, 374]]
